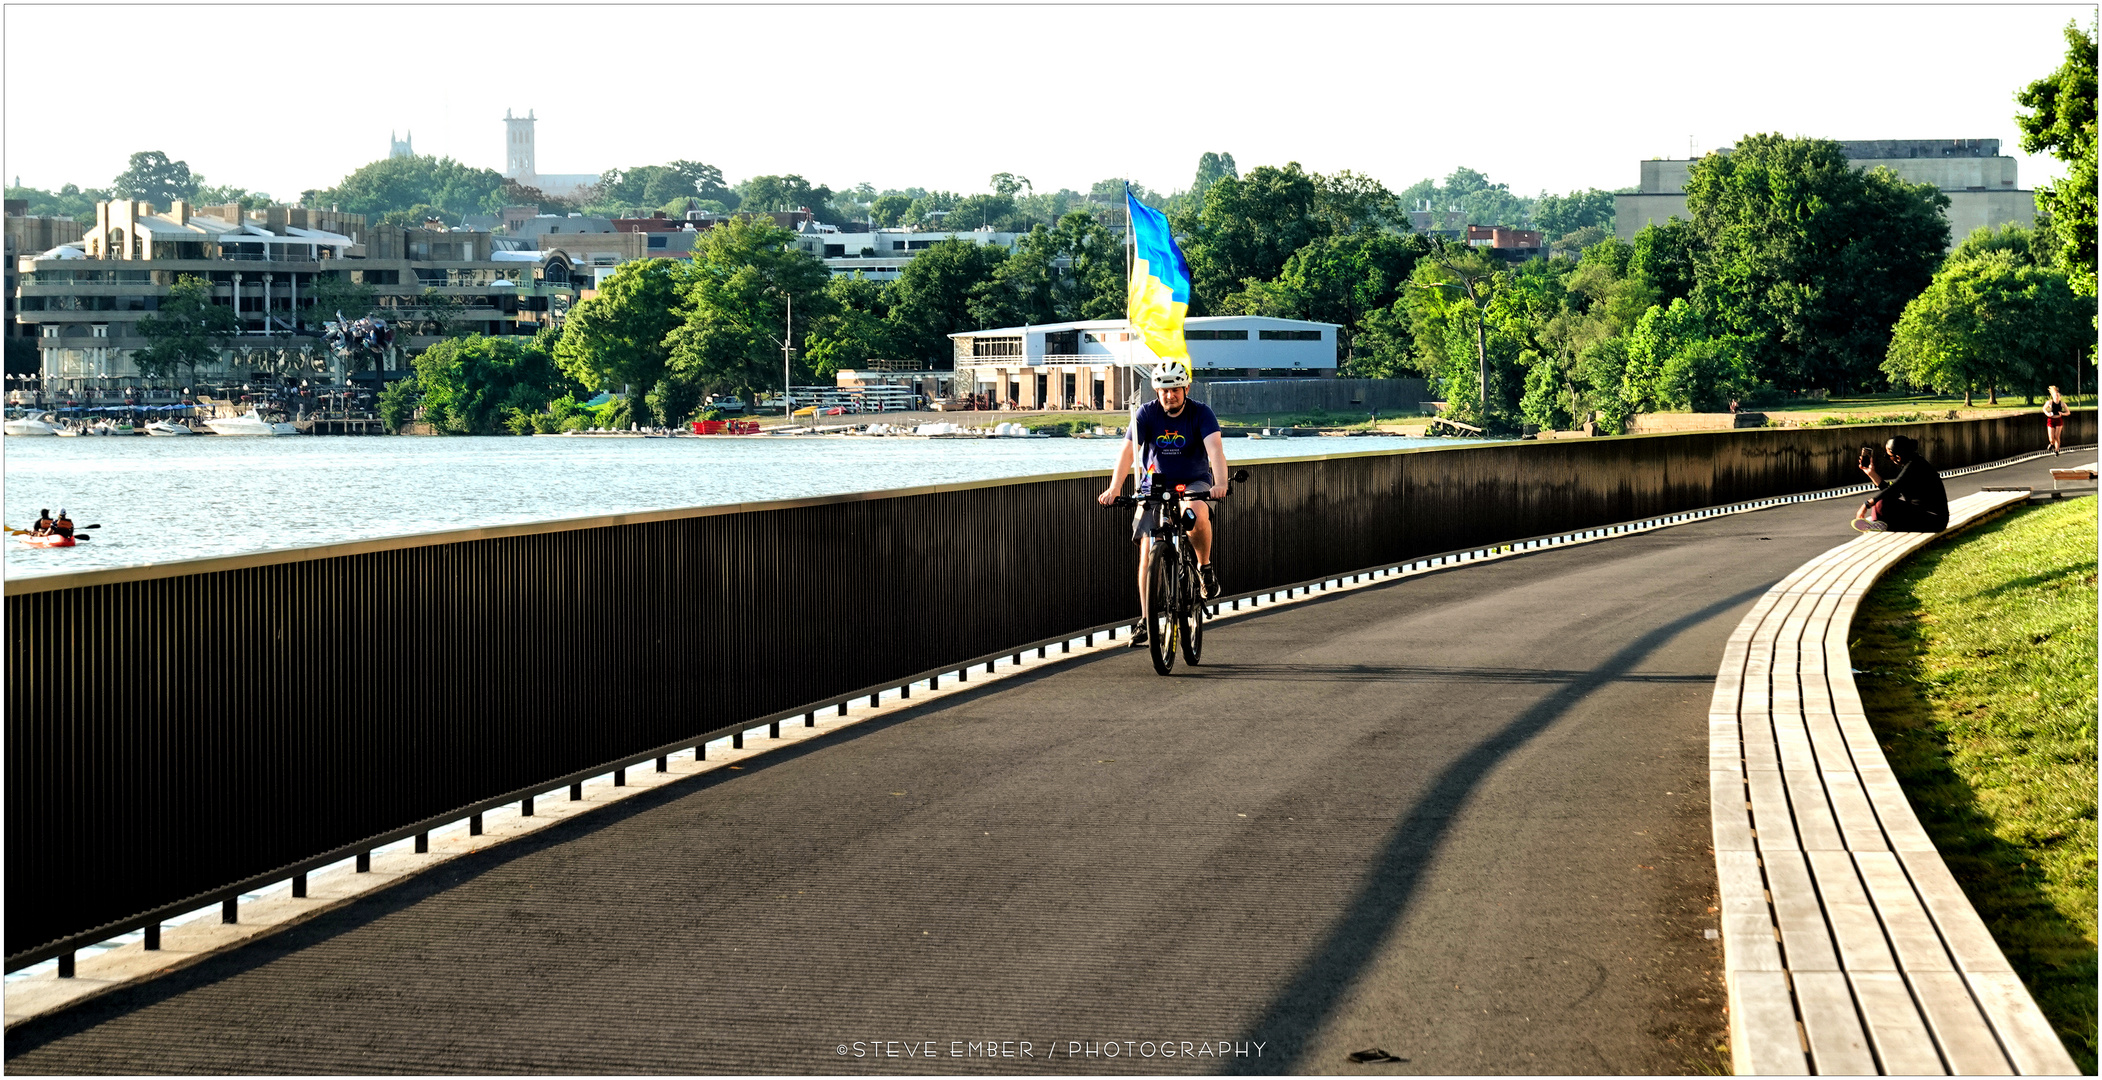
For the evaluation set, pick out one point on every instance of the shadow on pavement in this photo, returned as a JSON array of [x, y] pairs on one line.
[[1298, 1011], [1419, 673]]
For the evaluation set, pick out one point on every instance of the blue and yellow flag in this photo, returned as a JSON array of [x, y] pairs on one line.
[[1159, 295]]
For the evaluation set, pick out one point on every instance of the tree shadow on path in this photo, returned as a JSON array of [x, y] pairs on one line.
[[1298, 1012]]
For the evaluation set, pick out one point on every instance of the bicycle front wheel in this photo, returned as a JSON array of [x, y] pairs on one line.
[[1160, 609]]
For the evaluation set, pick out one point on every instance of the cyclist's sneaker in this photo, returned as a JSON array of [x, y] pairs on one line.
[[1211, 581], [1140, 636]]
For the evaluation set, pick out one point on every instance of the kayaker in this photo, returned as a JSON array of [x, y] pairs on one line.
[[63, 526], [43, 523]]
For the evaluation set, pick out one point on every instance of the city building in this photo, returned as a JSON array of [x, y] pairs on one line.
[[522, 161], [82, 301], [1979, 182], [1506, 243], [1103, 364], [27, 233], [881, 254]]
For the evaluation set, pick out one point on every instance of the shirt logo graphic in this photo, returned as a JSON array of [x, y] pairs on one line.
[[1171, 440]]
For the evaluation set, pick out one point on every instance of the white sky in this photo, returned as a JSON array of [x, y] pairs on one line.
[[280, 98]]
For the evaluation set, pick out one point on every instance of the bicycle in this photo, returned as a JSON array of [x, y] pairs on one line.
[[1175, 607]]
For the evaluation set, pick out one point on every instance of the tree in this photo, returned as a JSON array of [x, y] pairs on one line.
[[1336, 279], [1246, 229], [470, 385], [1810, 259], [188, 330], [885, 210], [1451, 291], [397, 403], [2062, 121], [403, 183], [1211, 168], [1009, 185], [855, 330], [1990, 320], [982, 212], [221, 195], [791, 192], [746, 275], [69, 201], [620, 339], [1560, 215], [1665, 254], [935, 293], [153, 178]]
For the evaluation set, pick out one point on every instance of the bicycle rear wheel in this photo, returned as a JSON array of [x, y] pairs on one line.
[[1160, 609], [1191, 617]]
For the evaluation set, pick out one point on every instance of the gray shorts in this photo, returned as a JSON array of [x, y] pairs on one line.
[[1146, 518]]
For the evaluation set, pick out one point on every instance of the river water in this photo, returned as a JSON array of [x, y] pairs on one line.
[[163, 499]]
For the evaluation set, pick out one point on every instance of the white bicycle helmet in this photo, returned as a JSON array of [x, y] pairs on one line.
[[1170, 375]]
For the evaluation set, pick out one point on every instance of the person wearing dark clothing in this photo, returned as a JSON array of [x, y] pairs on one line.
[[43, 524], [63, 526], [1913, 501]]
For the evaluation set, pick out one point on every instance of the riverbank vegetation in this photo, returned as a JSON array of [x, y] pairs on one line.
[[1979, 674], [1793, 275]]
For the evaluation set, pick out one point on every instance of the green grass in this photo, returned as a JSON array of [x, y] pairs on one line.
[[1931, 404], [1979, 676]]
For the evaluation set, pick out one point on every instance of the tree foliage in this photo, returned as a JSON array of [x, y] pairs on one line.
[[153, 178], [405, 183], [2062, 121], [618, 339], [470, 385], [187, 331], [1991, 318], [736, 301], [1808, 258]]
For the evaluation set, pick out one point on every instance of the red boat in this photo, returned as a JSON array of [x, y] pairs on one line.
[[48, 541]]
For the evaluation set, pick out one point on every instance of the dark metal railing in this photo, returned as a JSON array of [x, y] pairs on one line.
[[181, 733]]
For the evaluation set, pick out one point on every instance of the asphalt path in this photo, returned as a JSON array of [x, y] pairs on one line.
[[1461, 818]]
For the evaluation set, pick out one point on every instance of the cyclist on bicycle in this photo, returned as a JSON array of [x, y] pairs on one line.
[[1176, 442]]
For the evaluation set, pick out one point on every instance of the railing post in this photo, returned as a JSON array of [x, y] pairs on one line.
[[989, 664], [65, 965], [810, 719], [153, 937], [525, 805], [773, 731], [576, 792], [230, 910], [423, 847], [364, 862], [664, 760], [842, 708], [299, 887], [905, 691], [875, 700], [736, 743], [474, 825]]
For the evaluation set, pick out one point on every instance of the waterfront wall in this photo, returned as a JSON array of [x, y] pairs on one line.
[[1242, 397], [179, 733]]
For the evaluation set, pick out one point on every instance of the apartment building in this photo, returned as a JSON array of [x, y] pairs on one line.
[[1979, 181], [83, 301]]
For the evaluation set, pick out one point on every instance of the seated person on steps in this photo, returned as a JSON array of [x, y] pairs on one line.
[[1913, 501]]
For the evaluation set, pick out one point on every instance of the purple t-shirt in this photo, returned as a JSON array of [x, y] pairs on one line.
[[1171, 448]]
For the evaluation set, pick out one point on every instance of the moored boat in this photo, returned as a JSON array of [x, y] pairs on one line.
[[28, 426], [168, 427], [249, 423]]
